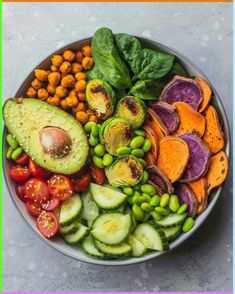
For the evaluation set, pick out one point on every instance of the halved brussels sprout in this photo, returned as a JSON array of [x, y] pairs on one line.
[[125, 171], [115, 133], [100, 98], [132, 109]]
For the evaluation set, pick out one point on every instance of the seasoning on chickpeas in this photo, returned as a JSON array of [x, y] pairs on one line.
[[55, 101], [69, 55], [54, 68], [81, 97], [79, 56], [87, 62], [80, 107], [54, 78], [80, 86], [80, 76], [51, 89], [57, 60], [82, 117], [93, 118], [66, 67], [86, 50], [76, 67], [43, 94], [36, 84], [31, 92], [63, 104], [68, 81], [61, 92], [41, 74]]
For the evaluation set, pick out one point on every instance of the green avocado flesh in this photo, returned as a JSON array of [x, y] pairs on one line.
[[27, 118]]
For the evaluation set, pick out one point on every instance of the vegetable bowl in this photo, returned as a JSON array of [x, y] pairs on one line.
[[126, 167]]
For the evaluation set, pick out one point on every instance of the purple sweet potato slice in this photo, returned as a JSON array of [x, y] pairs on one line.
[[184, 90], [198, 157], [186, 195], [159, 180], [168, 114]]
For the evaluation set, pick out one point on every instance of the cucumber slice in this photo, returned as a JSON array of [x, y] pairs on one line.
[[89, 247], [113, 251], [107, 198], [114, 231], [77, 236], [70, 210], [172, 220], [150, 237], [172, 233], [90, 209], [70, 229], [138, 249], [105, 217]]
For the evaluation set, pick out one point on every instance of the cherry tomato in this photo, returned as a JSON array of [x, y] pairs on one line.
[[50, 204], [47, 224], [33, 207], [20, 192], [38, 171], [37, 190], [81, 184], [97, 175], [60, 187], [23, 159], [19, 173]]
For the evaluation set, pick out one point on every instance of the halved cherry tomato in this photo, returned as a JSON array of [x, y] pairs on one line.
[[33, 207], [23, 159], [37, 190], [19, 173], [47, 224], [60, 187], [82, 183], [38, 171], [20, 192], [97, 175], [50, 204]]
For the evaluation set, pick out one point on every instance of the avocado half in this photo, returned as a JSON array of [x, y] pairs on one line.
[[50, 136]]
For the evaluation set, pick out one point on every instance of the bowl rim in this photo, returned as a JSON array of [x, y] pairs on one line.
[[203, 216]]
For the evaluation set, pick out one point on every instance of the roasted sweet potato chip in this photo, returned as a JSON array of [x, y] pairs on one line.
[[206, 93], [217, 171], [151, 156], [199, 187], [173, 157], [190, 120], [213, 135]]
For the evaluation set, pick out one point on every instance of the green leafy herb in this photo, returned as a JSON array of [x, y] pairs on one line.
[[147, 89], [94, 73]]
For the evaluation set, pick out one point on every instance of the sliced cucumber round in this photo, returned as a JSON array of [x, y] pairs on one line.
[[89, 247], [70, 229], [113, 251], [172, 220], [70, 210], [90, 209], [105, 217], [78, 236], [172, 233], [138, 249]]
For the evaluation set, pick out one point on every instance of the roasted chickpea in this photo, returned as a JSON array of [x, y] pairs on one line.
[[63, 104], [43, 94], [80, 86], [79, 56], [90, 112], [68, 81], [86, 50], [54, 78], [76, 67], [87, 62], [54, 68], [69, 55], [82, 117], [66, 67], [61, 92], [54, 100], [41, 74], [93, 118], [57, 60], [31, 92], [36, 84], [69, 101], [82, 97], [80, 107], [51, 89], [80, 76], [75, 100]]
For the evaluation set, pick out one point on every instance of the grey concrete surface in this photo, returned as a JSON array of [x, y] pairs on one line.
[[201, 31]]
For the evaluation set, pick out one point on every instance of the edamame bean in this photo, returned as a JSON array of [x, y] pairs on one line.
[[88, 126], [107, 159], [148, 189], [146, 207], [143, 162], [146, 197], [98, 161], [164, 200], [12, 141], [174, 203], [156, 215], [16, 153], [130, 200], [123, 150], [99, 150], [137, 152], [147, 216], [182, 208], [136, 193], [188, 224], [138, 212], [161, 210], [138, 200], [128, 191], [95, 130], [145, 177], [93, 141], [137, 187], [139, 133], [137, 142], [9, 152], [155, 200], [147, 145]]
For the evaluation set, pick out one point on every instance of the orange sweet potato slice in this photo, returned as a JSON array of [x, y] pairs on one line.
[[190, 120], [199, 187], [206, 93], [151, 156], [213, 136], [173, 157], [217, 171]]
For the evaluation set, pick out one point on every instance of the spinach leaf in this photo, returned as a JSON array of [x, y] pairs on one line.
[[150, 64], [106, 56], [94, 73], [120, 93], [147, 89], [178, 69], [128, 46]]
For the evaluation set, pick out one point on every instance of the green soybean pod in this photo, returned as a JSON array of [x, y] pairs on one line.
[[98, 161], [9, 152], [188, 224], [16, 153], [93, 140], [138, 212], [123, 151], [147, 216], [95, 130], [99, 150], [130, 200], [146, 207], [155, 200], [139, 133], [128, 191], [148, 189], [146, 197], [143, 162], [182, 208], [137, 152], [12, 141], [174, 203], [147, 145], [88, 126], [164, 200], [161, 210], [145, 177], [137, 142], [156, 215], [107, 159]]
